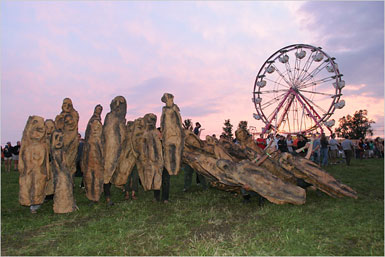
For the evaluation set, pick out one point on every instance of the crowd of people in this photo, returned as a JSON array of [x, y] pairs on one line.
[[325, 150], [9, 155]]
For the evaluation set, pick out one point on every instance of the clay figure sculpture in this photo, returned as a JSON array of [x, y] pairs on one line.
[[172, 134], [92, 160], [33, 164], [114, 131], [294, 169], [63, 200], [257, 155], [50, 128], [233, 174], [150, 164], [137, 135], [311, 173], [127, 159], [97, 115], [67, 121]]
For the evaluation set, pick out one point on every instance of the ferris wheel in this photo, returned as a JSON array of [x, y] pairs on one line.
[[297, 90]]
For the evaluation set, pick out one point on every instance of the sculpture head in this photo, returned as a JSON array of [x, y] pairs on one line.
[[98, 110], [69, 123], [57, 139], [241, 135], [49, 127], [168, 99], [150, 121], [36, 130], [130, 126], [67, 105], [210, 140], [119, 106]]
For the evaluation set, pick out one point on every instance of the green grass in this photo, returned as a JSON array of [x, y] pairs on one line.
[[210, 222]]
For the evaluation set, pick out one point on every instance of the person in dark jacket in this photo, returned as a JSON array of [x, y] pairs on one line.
[[8, 156]]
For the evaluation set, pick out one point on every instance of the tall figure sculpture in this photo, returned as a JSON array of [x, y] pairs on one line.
[[50, 128], [93, 157], [33, 164], [127, 158], [68, 121], [63, 201], [150, 164], [114, 131], [172, 135]]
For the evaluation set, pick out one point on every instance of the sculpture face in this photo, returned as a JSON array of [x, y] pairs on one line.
[[130, 126], [57, 139], [168, 99], [241, 135], [209, 140], [119, 106], [37, 129], [69, 123], [67, 105], [150, 120], [49, 127], [98, 110], [140, 123]]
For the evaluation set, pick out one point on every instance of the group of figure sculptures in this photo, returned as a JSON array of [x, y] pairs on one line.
[[113, 148]]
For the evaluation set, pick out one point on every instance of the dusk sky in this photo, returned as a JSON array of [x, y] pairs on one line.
[[206, 54]]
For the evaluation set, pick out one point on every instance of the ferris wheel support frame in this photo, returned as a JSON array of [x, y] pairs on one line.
[[304, 103]]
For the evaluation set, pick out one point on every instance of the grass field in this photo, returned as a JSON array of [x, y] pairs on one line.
[[198, 222]]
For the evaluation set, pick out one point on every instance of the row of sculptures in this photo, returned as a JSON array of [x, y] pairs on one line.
[[112, 149]]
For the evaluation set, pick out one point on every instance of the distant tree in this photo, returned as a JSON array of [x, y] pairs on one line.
[[228, 130], [356, 126], [187, 124], [243, 125]]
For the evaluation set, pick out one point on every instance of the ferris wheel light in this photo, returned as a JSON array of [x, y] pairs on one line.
[[339, 84], [284, 58], [301, 54], [318, 57], [261, 83], [256, 116], [340, 104], [270, 69]]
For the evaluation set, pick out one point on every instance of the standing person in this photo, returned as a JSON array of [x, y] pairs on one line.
[[324, 150], [8, 156], [261, 142], [347, 146], [79, 172], [316, 149], [289, 143], [360, 149], [131, 187], [282, 145], [333, 146], [15, 155], [300, 144], [198, 129], [165, 187]]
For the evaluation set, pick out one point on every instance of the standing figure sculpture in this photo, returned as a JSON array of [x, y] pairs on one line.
[[50, 128], [93, 157], [67, 121], [34, 164], [63, 200], [114, 131], [172, 135], [127, 159], [150, 164]]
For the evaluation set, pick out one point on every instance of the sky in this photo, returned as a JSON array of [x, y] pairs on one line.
[[206, 53]]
